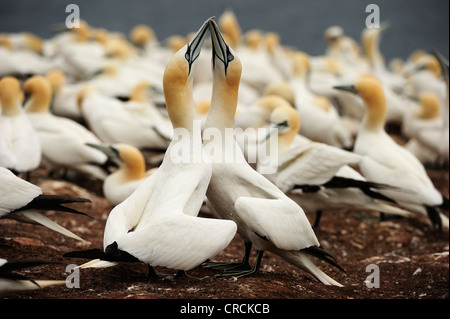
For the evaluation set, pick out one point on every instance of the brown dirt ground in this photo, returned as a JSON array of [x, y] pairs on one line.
[[412, 258]]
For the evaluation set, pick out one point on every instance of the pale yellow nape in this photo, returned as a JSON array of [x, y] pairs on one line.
[[41, 94], [11, 96]]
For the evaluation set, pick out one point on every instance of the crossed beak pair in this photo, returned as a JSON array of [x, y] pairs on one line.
[[220, 48]]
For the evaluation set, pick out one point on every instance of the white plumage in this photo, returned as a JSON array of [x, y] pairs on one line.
[[265, 216], [63, 140]]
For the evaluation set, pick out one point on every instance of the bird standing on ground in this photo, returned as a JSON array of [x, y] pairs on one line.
[[385, 161], [158, 223], [265, 216], [319, 176]]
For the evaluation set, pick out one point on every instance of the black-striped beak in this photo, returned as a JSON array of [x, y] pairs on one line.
[[348, 88], [194, 47], [220, 48]]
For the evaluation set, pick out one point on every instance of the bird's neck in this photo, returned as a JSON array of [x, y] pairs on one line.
[[39, 102], [10, 107], [223, 105], [375, 116], [134, 171], [180, 106]]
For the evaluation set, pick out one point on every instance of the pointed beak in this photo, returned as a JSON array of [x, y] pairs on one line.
[[220, 48], [111, 152], [196, 44], [348, 88], [442, 61], [273, 130]]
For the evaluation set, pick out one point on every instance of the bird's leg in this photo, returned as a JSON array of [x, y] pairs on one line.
[[317, 220], [183, 274], [152, 273], [244, 273], [243, 265]]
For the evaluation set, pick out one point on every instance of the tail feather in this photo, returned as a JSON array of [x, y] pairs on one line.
[[38, 218], [365, 186], [323, 255], [435, 217], [111, 253], [55, 202], [300, 259]]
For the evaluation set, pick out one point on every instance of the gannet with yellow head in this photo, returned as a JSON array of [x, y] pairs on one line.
[[319, 176], [20, 141], [384, 161], [424, 127], [64, 95], [265, 216], [131, 171], [111, 119], [62, 139], [158, 223], [321, 120]]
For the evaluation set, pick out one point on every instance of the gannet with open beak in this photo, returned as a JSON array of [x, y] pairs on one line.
[[265, 216], [319, 176], [63, 140], [22, 201], [20, 146], [158, 223], [129, 175], [385, 161]]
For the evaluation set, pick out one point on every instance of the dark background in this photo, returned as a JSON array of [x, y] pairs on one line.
[[415, 23]]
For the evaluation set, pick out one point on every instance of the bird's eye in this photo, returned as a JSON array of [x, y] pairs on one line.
[[187, 56], [230, 57], [283, 124]]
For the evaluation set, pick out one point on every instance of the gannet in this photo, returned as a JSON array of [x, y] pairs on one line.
[[426, 76], [158, 223], [21, 55], [131, 171], [265, 216], [258, 70], [344, 48], [423, 126], [22, 201], [64, 99], [110, 119], [319, 176], [370, 38], [62, 139], [81, 57], [19, 138], [322, 122], [10, 281], [385, 161]]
